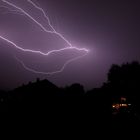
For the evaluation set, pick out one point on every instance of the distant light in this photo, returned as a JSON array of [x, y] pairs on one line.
[[113, 106], [124, 105], [117, 106], [123, 99]]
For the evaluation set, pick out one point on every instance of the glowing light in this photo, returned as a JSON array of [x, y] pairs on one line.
[[117, 106], [123, 99], [124, 105], [52, 31], [39, 52], [113, 106]]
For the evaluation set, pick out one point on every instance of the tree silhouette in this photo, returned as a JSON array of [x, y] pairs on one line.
[[125, 76], [75, 90]]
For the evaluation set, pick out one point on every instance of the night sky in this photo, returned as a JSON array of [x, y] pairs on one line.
[[109, 29]]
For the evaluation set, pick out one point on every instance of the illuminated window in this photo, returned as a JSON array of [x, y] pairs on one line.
[[124, 105]]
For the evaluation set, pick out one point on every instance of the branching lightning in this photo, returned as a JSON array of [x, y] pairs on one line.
[[41, 53], [38, 23], [52, 31], [11, 11], [50, 73]]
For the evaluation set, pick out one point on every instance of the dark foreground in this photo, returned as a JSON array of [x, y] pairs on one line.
[[116, 104]]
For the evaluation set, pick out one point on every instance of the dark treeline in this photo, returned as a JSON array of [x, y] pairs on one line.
[[117, 99]]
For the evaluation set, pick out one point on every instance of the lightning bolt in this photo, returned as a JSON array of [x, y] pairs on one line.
[[52, 31], [38, 23], [50, 73], [39, 52], [11, 11]]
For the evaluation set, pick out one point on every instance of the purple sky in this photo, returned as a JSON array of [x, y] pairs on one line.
[[109, 29]]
